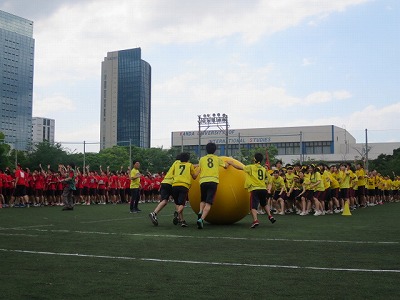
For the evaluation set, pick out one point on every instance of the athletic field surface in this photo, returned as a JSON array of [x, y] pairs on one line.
[[104, 252]]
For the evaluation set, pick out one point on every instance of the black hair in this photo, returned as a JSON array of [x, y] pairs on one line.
[[278, 162], [211, 148], [72, 165], [258, 157], [184, 157]]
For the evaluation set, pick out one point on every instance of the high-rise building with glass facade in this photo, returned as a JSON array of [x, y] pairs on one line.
[[17, 48], [125, 115]]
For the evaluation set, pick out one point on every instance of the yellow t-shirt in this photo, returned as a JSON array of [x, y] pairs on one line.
[[278, 183], [256, 177], [290, 180], [169, 177], [135, 182], [334, 181], [209, 168], [360, 173], [314, 178], [344, 179], [182, 174]]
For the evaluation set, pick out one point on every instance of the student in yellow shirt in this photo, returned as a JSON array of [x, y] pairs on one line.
[[292, 188], [208, 171], [334, 204], [344, 184], [256, 175], [317, 185], [135, 187], [371, 190], [165, 192], [278, 188], [183, 173], [361, 182]]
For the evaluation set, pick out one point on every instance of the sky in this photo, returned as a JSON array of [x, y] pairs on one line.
[[264, 63]]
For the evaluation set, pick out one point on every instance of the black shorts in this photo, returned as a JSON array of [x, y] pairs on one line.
[[20, 191], [344, 194], [165, 191], [180, 194], [51, 193], [276, 195], [155, 191], [360, 191], [309, 195], [92, 192], [38, 192], [102, 192], [258, 197], [112, 192], [208, 191], [371, 192], [335, 193]]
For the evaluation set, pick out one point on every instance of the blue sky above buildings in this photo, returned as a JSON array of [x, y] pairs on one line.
[[264, 63]]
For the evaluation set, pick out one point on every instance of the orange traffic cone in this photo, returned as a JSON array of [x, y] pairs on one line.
[[346, 209]]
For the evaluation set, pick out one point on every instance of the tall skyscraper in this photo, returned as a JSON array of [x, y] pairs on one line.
[[125, 100], [43, 130], [17, 48]]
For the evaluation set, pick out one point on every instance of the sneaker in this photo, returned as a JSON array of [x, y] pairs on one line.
[[184, 224], [153, 218], [133, 211], [272, 219], [329, 212], [304, 213], [200, 224], [199, 215], [317, 213], [175, 220], [282, 213], [138, 210], [255, 224]]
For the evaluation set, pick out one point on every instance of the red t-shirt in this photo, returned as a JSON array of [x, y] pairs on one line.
[[103, 180], [20, 177], [39, 182]]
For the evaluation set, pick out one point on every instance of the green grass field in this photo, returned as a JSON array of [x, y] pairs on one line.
[[103, 252]]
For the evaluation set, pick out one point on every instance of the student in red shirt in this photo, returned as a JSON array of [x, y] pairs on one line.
[[113, 185], [38, 186], [102, 186], [20, 186], [2, 183]]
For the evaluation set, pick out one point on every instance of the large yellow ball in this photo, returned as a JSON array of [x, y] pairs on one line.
[[232, 201]]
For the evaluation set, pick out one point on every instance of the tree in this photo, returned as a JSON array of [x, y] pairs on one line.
[[4, 152], [246, 155], [46, 153], [387, 164]]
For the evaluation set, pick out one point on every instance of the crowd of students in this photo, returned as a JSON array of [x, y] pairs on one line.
[[44, 187], [324, 189], [302, 189]]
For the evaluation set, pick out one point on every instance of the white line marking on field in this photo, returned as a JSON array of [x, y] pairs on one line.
[[18, 234], [25, 227], [212, 237], [200, 262], [107, 220]]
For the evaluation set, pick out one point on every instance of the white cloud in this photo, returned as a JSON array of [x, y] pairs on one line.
[[307, 62], [53, 103], [72, 42]]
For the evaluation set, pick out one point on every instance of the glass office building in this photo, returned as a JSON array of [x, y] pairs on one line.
[[125, 100], [16, 83]]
